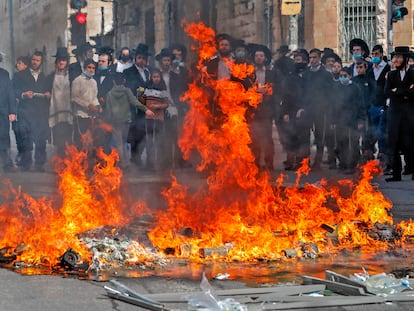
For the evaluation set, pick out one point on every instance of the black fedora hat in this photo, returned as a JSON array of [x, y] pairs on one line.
[[252, 48], [361, 43], [80, 49], [142, 49], [104, 50], [165, 52], [61, 53], [401, 50]]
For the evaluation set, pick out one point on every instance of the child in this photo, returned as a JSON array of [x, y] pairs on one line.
[[118, 113], [348, 120], [156, 99]]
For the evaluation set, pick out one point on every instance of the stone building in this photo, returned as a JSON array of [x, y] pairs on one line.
[[44, 25]]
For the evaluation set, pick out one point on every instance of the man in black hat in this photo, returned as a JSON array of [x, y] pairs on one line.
[[7, 115], [32, 88], [399, 87], [60, 112], [137, 79], [218, 66], [359, 49], [82, 52], [261, 125]]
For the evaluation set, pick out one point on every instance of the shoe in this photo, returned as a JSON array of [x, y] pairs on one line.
[[388, 171], [39, 168], [24, 168], [316, 167], [349, 171], [412, 177], [9, 169], [393, 178], [407, 172]]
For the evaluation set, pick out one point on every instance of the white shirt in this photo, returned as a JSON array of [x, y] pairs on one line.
[[378, 69]]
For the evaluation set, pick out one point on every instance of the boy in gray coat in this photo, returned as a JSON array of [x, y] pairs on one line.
[[119, 102]]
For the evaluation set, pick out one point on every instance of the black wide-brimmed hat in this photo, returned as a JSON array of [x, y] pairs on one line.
[[80, 49], [361, 43], [61, 53], [165, 52], [224, 36], [104, 50], [142, 49], [254, 47], [401, 50], [284, 49]]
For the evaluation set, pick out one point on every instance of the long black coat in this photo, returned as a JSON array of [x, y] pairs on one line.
[[7, 106], [34, 112], [400, 115]]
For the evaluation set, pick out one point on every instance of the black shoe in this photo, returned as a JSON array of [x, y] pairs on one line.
[[393, 178], [39, 168], [388, 171], [407, 172], [9, 169], [412, 177]]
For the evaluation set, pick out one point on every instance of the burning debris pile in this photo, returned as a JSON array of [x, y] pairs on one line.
[[239, 214]]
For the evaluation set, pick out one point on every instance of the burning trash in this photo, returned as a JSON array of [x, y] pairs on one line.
[[239, 214]]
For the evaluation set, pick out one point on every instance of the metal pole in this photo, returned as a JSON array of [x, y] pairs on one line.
[[11, 36], [389, 27], [102, 24], [293, 32], [115, 26]]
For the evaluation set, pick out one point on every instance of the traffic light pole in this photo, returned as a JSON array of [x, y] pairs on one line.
[[389, 27], [11, 35]]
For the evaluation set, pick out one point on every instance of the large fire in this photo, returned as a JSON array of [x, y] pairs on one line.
[[239, 214], [239, 209]]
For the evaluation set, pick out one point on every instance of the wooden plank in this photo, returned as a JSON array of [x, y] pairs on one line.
[[250, 294], [339, 278], [321, 303], [343, 289]]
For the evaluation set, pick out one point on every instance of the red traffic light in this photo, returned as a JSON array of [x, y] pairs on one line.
[[81, 18]]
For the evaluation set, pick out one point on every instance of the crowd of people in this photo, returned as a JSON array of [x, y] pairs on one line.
[[351, 113]]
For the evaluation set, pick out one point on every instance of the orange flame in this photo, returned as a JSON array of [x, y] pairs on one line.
[[47, 232], [238, 214]]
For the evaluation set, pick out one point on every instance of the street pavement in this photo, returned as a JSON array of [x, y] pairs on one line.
[[56, 292]]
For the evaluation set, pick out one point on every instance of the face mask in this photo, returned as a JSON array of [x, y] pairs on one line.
[[356, 56], [103, 68], [177, 62], [88, 74], [240, 55], [125, 58], [344, 80], [315, 64], [300, 66], [376, 60]]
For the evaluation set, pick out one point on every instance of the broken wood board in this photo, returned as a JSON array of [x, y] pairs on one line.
[[337, 301], [251, 293], [339, 288], [339, 278]]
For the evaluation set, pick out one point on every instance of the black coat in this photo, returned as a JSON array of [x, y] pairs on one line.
[[349, 109], [7, 99], [380, 98], [7, 106], [105, 83], [75, 70], [33, 112]]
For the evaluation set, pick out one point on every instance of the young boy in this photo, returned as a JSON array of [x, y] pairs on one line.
[[118, 113], [348, 120]]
